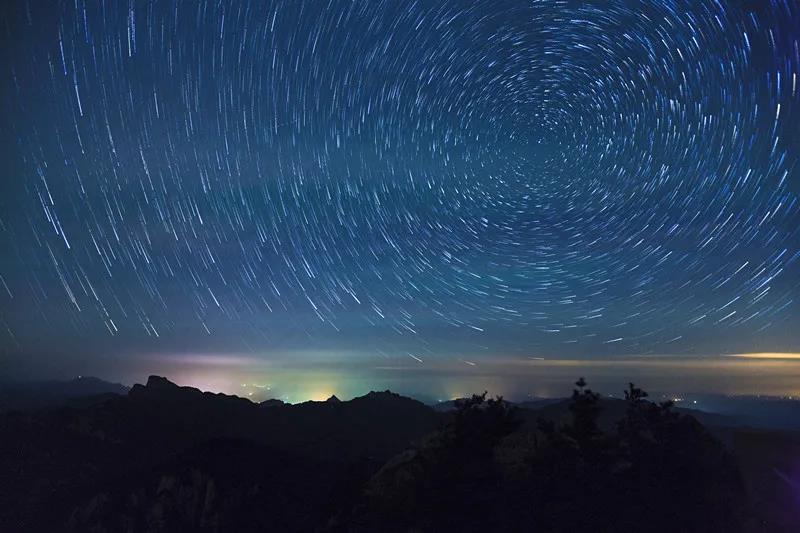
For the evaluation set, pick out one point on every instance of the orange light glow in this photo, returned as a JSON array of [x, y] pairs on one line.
[[766, 355]]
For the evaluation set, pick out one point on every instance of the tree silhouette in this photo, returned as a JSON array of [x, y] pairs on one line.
[[479, 422], [585, 408], [654, 470]]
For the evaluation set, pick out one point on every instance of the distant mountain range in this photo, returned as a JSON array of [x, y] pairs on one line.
[[763, 412], [41, 394]]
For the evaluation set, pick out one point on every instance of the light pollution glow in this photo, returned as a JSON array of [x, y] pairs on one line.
[[318, 378], [766, 355]]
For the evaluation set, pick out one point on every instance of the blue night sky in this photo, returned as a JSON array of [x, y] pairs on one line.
[[396, 184]]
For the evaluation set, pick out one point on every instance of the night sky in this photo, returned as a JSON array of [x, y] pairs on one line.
[[369, 184]]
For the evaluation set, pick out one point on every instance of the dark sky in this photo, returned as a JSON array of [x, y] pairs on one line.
[[412, 183]]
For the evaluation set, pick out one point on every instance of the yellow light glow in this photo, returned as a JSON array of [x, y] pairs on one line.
[[766, 355], [320, 396]]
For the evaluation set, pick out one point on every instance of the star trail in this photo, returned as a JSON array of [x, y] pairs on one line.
[[410, 181]]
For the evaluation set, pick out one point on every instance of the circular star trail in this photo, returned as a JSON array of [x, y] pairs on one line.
[[405, 179]]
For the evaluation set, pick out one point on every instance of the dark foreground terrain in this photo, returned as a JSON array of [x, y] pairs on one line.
[[160, 457]]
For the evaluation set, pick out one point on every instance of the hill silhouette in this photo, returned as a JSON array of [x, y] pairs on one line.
[[163, 457], [58, 459], [656, 470], [81, 391]]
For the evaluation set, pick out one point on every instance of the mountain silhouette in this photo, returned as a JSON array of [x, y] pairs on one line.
[[164, 457], [80, 391]]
